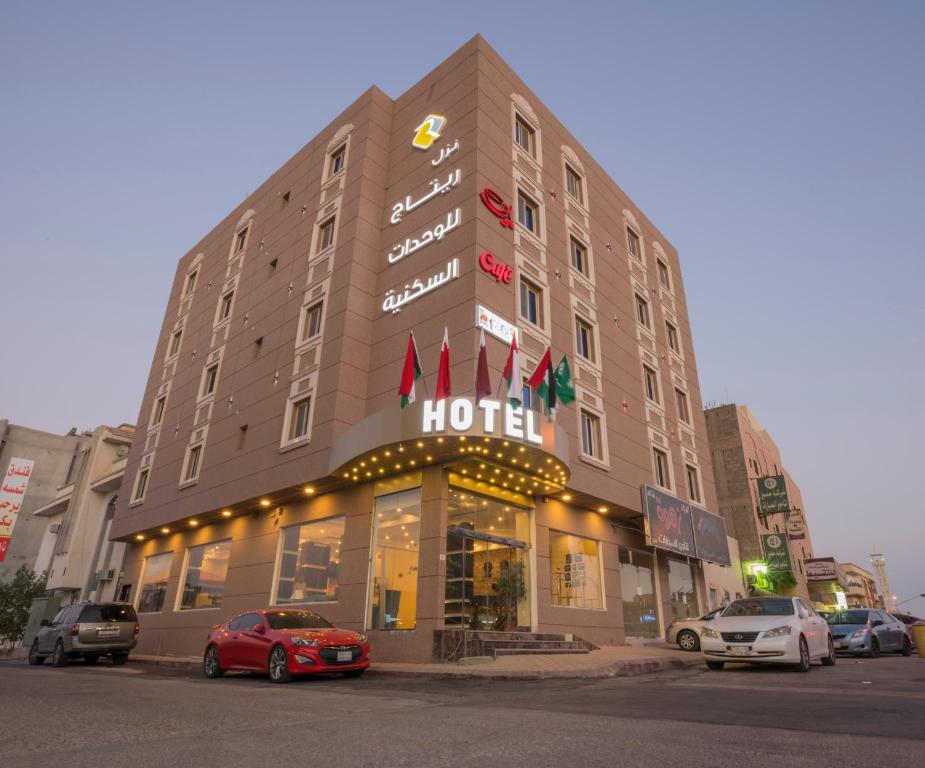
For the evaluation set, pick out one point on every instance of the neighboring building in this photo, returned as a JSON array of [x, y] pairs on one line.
[[883, 583], [273, 464], [743, 454], [861, 587], [81, 562], [34, 464]]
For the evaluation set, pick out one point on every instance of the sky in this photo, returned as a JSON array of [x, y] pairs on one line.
[[779, 146]]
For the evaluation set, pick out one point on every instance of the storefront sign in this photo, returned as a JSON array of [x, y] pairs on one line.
[[776, 552], [502, 272], [437, 188], [820, 570], [395, 299], [461, 414], [12, 492], [772, 495], [495, 203], [668, 522], [428, 236], [428, 131], [496, 325], [710, 537], [796, 525]]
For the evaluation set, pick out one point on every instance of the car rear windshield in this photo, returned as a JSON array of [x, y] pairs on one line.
[[295, 620], [767, 607], [847, 617], [102, 613]]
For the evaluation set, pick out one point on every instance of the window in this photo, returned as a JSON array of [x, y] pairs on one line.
[[190, 283], [632, 244], [338, 160], [664, 276], [531, 302], [528, 213], [393, 587], [584, 339], [579, 256], [651, 381], [299, 418], [590, 434], [192, 463], [206, 570], [224, 311], [684, 413], [575, 570], [284, 200], [240, 241], [682, 592], [642, 311], [326, 234], [152, 587], [637, 585], [526, 396], [175, 343], [524, 136], [311, 325], [309, 562], [573, 183], [673, 343], [662, 476], [208, 384], [141, 484], [693, 483], [158, 415]]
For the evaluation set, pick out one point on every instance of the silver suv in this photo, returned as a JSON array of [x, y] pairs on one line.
[[87, 630]]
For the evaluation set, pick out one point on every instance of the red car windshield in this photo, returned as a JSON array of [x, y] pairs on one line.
[[296, 620]]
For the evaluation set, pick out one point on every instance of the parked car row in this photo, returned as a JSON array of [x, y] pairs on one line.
[[281, 643]]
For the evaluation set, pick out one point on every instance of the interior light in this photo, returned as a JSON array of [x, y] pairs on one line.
[[566, 497], [194, 523], [226, 513], [139, 537], [165, 530], [602, 509], [264, 502]]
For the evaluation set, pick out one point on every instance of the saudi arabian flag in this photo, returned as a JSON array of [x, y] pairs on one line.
[[565, 389]]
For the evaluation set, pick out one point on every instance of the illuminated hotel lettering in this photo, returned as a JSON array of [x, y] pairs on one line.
[[404, 206], [395, 299], [516, 423], [437, 232]]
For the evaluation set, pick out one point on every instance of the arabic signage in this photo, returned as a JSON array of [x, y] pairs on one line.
[[428, 236], [668, 522], [820, 569], [408, 204], [12, 492], [461, 414], [710, 537], [772, 495], [495, 203], [396, 299], [796, 525], [428, 131], [776, 552], [502, 272], [496, 325]]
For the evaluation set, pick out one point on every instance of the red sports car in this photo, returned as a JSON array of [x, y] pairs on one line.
[[284, 643]]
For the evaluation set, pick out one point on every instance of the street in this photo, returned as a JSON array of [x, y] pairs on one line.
[[142, 715]]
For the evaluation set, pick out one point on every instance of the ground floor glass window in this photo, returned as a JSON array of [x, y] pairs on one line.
[[637, 585], [206, 570], [309, 562], [153, 584], [393, 589], [681, 584], [575, 571]]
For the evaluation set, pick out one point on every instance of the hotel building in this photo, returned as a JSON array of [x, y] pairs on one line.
[[273, 464]]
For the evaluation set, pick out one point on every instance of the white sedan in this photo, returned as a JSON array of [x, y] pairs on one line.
[[768, 630]]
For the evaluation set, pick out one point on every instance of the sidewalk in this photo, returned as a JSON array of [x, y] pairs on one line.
[[607, 661]]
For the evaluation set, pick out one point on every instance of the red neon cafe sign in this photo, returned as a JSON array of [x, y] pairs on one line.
[[502, 272], [495, 203]]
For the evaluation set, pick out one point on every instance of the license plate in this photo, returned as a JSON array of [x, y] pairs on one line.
[[108, 632], [740, 650], [345, 656]]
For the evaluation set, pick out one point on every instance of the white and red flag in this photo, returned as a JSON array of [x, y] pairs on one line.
[[443, 368]]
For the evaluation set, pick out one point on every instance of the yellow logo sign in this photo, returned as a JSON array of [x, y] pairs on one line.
[[428, 131]]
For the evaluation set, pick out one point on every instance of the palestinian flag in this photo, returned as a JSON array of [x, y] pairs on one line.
[[482, 380], [512, 376], [565, 389], [544, 384], [410, 373], [443, 368]]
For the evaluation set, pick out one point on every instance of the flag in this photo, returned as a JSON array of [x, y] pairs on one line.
[[512, 376], [565, 390], [410, 373], [482, 383], [443, 368], [543, 383]]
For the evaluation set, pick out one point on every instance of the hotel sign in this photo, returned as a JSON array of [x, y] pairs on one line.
[[493, 418], [12, 492], [776, 552], [668, 522], [772, 495]]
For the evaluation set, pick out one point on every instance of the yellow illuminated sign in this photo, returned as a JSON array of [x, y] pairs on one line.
[[428, 131]]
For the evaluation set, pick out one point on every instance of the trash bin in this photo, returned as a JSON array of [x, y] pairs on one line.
[[918, 634]]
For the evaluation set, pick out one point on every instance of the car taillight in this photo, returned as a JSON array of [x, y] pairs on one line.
[[137, 628], [75, 629]]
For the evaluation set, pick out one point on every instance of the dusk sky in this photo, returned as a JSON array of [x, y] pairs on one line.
[[779, 146]]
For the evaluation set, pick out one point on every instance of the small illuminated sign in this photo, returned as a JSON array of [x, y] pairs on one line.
[[428, 131], [496, 325], [502, 272], [490, 416], [495, 203]]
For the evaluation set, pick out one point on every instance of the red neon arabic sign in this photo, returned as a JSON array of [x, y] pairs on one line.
[[495, 203], [502, 272]]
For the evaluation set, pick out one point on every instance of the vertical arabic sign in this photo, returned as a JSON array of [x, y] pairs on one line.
[[776, 552], [668, 522], [12, 493], [772, 495], [710, 537]]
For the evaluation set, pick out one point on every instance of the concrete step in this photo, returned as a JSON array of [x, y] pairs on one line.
[[498, 652]]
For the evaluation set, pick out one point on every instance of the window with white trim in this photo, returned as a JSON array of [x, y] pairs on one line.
[[190, 283], [584, 339], [240, 240], [684, 413], [193, 459], [337, 160], [528, 213], [662, 471], [642, 311], [157, 415], [590, 434], [141, 484], [326, 234], [578, 256], [175, 343], [664, 275], [224, 309], [674, 342], [633, 245], [524, 136], [693, 483], [311, 321], [300, 417], [651, 381], [573, 184], [531, 302], [209, 380]]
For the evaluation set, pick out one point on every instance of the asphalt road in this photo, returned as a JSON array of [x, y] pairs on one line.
[[869, 711]]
